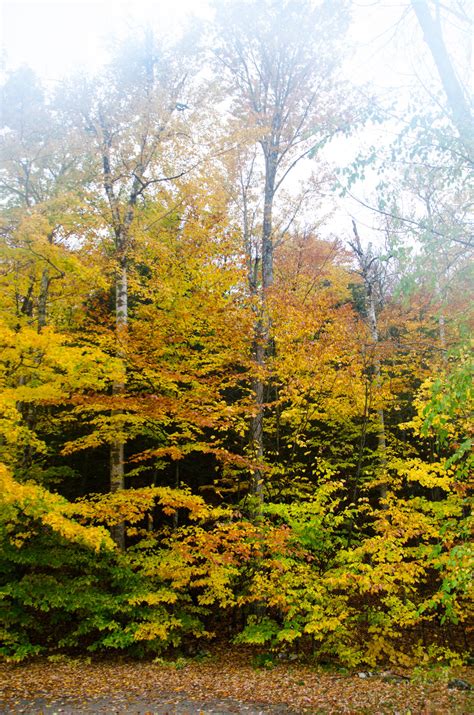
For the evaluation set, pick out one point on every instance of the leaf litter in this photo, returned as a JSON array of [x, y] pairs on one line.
[[223, 685]]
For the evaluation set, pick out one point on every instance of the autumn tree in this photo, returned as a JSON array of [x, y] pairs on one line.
[[164, 285], [187, 339], [42, 220], [281, 75], [130, 119], [37, 182], [317, 371]]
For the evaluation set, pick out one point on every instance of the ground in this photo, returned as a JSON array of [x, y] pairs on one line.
[[225, 683]]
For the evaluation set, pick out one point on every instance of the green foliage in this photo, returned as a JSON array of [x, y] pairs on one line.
[[63, 586], [294, 579]]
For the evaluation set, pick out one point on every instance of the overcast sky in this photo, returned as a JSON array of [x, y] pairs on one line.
[[55, 37]]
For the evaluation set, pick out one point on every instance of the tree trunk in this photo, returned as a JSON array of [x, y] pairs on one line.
[[263, 328], [117, 462], [29, 410], [43, 300], [267, 242], [369, 274], [381, 436], [256, 425], [433, 36]]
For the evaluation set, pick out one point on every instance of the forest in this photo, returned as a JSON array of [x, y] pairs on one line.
[[227, 415]]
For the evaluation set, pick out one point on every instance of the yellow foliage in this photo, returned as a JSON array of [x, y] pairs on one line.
[[50, 509], [154, 630], [431, 475], [131, 505]]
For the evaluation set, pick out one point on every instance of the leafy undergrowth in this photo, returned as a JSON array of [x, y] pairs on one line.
[[226, 677]]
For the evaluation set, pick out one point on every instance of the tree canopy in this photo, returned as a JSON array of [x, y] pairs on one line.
[[221, 414]]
